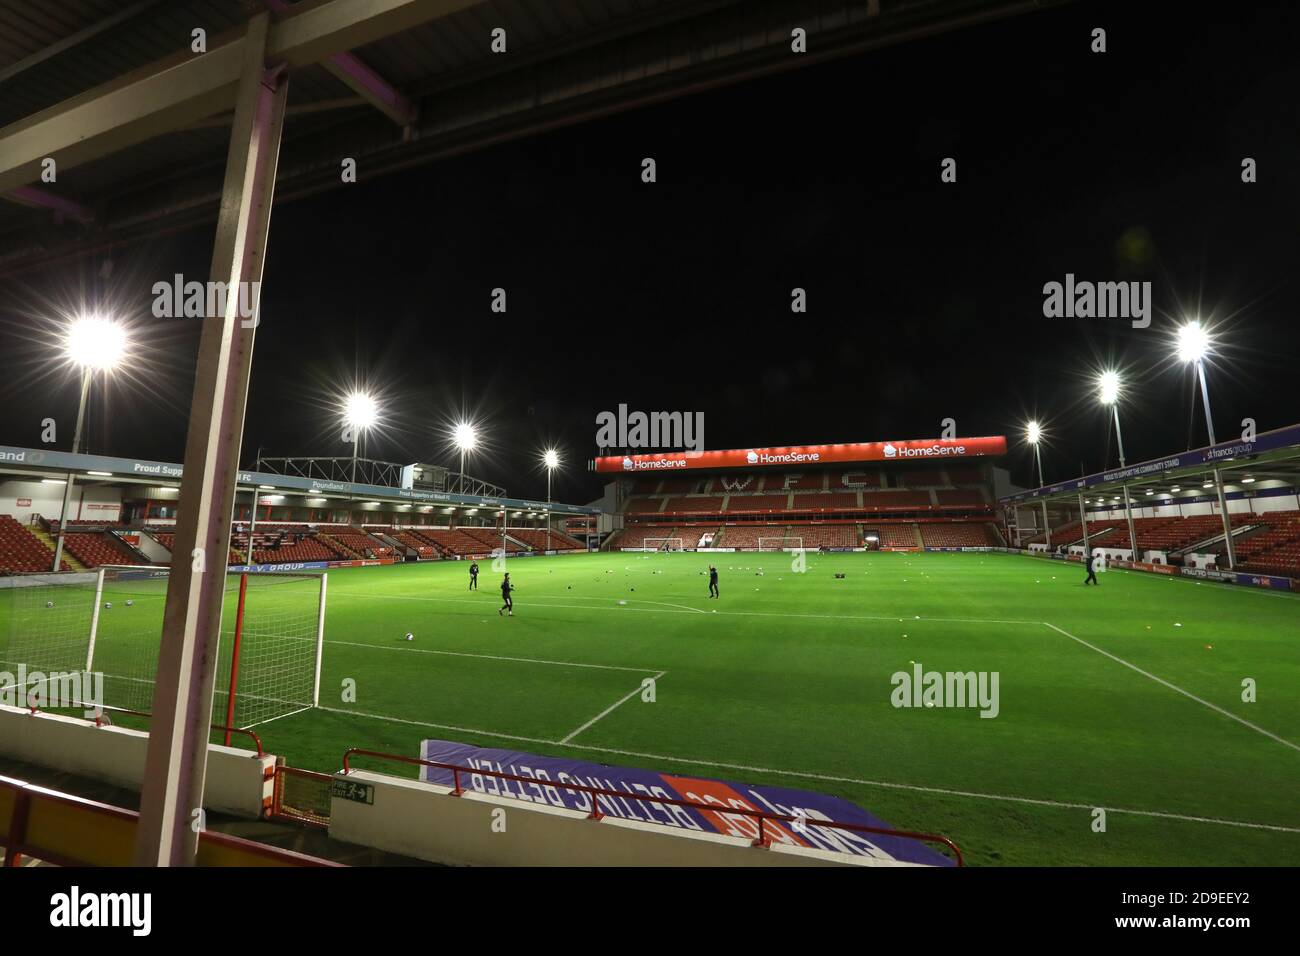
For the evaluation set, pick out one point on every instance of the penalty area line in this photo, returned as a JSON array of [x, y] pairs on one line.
[[1174, 687], [610, 709]]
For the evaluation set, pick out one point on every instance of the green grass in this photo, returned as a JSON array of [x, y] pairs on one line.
[[787, 680]]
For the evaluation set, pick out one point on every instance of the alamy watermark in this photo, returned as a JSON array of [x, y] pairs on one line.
[[179, 299], [624, 429], [1098, 300], [922, 688], [56, 689]]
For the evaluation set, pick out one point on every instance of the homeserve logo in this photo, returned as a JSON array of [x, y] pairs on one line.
[[102, 910], [789, 458], [653, 464], [923, 451]]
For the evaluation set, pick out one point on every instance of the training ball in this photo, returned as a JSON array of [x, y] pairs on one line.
[[130, 603], [49, 604], [410, 637], [622, 602], [108, 604]]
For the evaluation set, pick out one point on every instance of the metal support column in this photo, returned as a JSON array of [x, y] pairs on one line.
[[1227, 521], [1083, 520], [72, 476], [176, 760]]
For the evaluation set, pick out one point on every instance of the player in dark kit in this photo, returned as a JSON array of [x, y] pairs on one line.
[[1092, 572], [506, 588], [713, 581], [473, 576]]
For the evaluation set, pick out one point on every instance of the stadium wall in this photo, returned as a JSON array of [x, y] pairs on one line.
[[238, 782], [476, 829], [23, 499]]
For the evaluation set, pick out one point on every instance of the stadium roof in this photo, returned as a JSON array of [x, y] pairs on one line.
[[1247, 468], [400, 83], [37, 463]]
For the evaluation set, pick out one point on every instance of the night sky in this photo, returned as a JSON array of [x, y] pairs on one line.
[[924, 299]]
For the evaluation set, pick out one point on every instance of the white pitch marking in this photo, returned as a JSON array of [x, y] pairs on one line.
[[1174, 687], [490, 657], [655, 610], [609, 710]]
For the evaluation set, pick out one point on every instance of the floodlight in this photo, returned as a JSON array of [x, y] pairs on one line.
[[465, 436], [360, 410], [1193, 342], [551, 458], [1033, 432], [95, 343], [1108, 386]]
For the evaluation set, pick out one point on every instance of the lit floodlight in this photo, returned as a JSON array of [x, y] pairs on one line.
[[551, 458], [1108, 388], [360, 410], [1033, 431], [465, 436], [95, 343], [1193, 342]]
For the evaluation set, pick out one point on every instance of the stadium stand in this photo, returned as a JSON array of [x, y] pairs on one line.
[[896, 501], [923, 478], [972, 535], [826, 535], [756, 504], [168, 538], [644, 505], [96, 548], [536, 539], [898, 536], [695, 505], [21, 552], [421, 547], [358, 543], [961, 498], [812, 482], [829, 501]]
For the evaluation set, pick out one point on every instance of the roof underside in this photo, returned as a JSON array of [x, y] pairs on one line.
[[567, 60]]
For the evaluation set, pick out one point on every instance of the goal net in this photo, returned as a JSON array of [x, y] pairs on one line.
[[664, 544], [785, 543], [109, 621]]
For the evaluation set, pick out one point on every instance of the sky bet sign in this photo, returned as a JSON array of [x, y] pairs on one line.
[[930, 449]]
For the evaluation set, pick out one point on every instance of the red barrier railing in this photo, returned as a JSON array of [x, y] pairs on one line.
[[763, 817], [100, 722]]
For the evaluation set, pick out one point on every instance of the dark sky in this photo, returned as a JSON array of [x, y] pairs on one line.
[[925, 299]]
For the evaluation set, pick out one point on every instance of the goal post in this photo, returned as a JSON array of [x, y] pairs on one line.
[[663, 544], [109, 622], [782, 543]]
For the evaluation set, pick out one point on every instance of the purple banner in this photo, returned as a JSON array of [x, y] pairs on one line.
[[544, 772]]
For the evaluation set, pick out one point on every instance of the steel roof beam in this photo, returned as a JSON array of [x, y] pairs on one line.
[[361, 79], [187, 87]]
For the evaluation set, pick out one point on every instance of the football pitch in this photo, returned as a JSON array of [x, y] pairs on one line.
[[1121, 735]]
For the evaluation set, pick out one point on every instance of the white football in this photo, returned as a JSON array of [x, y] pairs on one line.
[[410, 637]]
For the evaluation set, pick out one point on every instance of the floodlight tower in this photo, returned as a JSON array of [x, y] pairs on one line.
[[1194, 344], [551, 459], [465, 437], [1034, 433], [92, 343], [360, 412], [1109, 388]]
